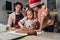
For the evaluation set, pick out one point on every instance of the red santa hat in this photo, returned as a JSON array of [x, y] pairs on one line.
[[34, 3]]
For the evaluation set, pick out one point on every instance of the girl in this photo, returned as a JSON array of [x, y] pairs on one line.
[[15, 16], [28, 21]]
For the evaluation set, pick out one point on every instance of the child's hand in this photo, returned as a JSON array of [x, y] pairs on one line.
[[35, 20], [23, 28], [30, 27]]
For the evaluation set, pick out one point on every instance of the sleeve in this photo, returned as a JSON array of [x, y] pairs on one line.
[[23, 20], [9, 20]]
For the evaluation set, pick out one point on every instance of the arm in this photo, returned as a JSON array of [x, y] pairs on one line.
[[49, 22], [41, 24], [9, 22], [42, 21], [21, 25], [41, 18], [21, 22]]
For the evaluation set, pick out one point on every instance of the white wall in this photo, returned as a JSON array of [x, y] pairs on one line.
[[3, 12]]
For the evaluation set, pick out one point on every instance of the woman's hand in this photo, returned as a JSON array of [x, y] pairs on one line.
[[7, 28]]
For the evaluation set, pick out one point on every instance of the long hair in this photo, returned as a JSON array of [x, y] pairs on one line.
[[30, 9], [18, 3]]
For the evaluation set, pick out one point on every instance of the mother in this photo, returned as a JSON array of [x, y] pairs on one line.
[[43, 16]]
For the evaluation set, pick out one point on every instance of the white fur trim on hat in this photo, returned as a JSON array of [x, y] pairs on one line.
[[35, 4]]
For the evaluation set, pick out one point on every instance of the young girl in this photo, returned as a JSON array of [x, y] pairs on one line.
[[15, 16], [28, 21]]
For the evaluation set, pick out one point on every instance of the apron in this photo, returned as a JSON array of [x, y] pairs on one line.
[[17, 19]]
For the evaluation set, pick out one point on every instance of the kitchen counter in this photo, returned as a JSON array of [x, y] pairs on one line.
[[10, 36], [45, 36]]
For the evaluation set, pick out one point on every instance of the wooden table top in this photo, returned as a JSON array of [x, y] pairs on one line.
[[45, 36]]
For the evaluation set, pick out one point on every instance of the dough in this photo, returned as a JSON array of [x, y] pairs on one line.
[[22, 31]]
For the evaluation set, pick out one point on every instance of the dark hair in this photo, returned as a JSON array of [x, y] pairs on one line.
[[27, 5], [18, 3], [39, 6], [30, 9]]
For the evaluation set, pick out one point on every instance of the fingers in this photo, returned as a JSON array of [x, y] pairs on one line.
[[31, 32]]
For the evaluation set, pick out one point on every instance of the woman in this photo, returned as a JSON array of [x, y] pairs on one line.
[[43, 15], [45, 19], [15, 16]]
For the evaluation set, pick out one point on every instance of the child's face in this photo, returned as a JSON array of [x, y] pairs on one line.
[[29, 14]]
